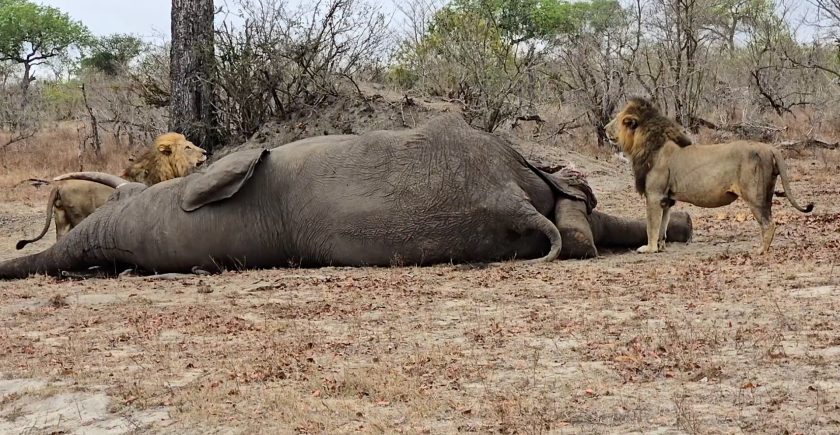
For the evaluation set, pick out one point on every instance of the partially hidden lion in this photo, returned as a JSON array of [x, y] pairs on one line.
[[71, 201], [668, 168]]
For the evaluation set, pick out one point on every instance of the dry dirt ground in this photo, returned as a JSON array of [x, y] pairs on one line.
[[705, 338]]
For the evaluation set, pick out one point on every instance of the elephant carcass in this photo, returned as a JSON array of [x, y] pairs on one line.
[[443, 192]]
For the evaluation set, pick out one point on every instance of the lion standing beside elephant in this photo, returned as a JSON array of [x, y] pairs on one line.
[[668, 168], [71, 201]]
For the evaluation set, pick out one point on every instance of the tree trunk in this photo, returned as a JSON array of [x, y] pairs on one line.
[[94, 126], [24, 84], [192, 66], [601, 135]]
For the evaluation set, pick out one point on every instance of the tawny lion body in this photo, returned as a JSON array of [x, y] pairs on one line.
[[667, 170], [71, 201]]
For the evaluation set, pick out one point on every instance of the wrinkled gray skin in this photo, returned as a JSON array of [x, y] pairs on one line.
[[443, 192]]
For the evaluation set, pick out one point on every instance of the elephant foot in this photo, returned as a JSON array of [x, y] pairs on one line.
[[577, 244], [572, 221], [680, 228]]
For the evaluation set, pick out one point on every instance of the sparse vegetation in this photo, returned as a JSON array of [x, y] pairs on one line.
[[759, 69]]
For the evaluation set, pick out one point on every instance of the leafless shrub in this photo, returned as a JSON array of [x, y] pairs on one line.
[[592, 66], [19, 119], [150, 77], [281, 61], [122, 109]]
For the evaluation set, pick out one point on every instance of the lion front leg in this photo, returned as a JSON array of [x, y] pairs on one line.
[[655, 214]]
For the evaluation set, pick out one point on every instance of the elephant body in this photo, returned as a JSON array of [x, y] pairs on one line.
[[443, 192]]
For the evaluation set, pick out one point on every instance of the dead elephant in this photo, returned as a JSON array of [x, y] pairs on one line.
[[443, 192]]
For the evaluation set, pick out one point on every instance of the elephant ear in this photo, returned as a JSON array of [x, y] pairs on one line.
[[221, 180]]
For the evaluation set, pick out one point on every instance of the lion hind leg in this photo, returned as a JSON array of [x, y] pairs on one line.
[[764, 217], [663, 228], [760, 200], [63, 225]]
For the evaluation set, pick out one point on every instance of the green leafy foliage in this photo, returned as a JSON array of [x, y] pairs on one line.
[[30, 32], [485, 53], [63, 98], [466, 56], [525, 20], [112, 54], [726, 18], [741, 10]]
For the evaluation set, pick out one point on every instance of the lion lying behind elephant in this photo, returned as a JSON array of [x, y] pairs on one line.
[[668, 168], [71, 201]]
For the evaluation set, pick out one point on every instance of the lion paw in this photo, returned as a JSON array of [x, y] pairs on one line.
[[646, 249]]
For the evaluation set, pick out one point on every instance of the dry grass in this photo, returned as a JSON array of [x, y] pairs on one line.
[[51, 152]]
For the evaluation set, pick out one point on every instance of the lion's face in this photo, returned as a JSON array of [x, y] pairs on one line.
[[180, 151], [622, 129]]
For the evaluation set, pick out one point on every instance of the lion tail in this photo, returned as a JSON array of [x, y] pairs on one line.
[[782, 169], [50, 204]]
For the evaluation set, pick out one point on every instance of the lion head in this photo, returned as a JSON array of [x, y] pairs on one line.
[[171, 156], [641, 130]]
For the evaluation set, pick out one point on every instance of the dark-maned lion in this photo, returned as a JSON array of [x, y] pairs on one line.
[[667, 168], [71, 201]]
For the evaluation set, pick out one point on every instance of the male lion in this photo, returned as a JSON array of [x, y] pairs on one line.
[[667, 169], [171, 156]]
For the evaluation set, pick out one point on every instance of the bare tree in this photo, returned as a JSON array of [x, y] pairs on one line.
[[673, 71], [19, 122], [281, 62], [828, 9], [725, 19], [192, 69], [594, 65], [827, 23]]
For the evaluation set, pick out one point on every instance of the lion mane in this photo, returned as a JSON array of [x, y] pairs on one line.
[[643, 131], [171, 156]]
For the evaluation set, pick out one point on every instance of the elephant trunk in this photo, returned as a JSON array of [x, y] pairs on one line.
[[22, 267], [89, 244], [50, 262]]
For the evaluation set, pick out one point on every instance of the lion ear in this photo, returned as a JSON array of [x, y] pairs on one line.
[[682, 140], [630, 122], [165, 148], [679, 137]]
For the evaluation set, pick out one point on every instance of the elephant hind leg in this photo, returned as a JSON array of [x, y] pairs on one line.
[[538, 222], [571, 219], [525, 219]]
